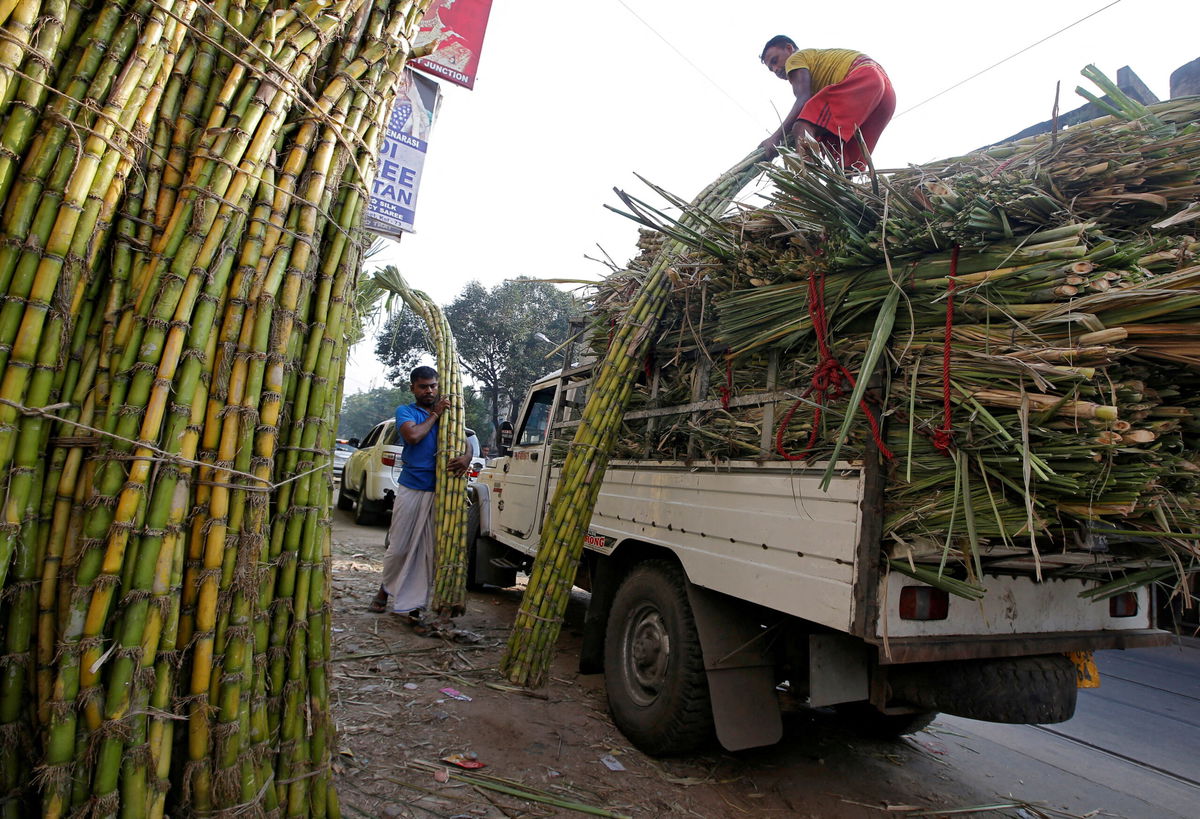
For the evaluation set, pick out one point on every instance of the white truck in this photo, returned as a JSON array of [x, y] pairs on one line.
[[719, 589]]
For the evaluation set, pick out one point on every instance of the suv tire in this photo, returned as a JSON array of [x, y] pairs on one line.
[[366, 512]]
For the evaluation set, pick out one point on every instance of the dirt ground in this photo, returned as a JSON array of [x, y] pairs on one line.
[[395, 723]]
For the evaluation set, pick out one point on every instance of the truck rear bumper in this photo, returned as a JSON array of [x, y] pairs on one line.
[[966, 647]]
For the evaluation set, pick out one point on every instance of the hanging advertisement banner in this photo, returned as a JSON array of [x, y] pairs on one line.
[[454, 30], [393, 203]]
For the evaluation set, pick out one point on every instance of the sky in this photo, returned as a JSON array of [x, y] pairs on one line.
[[572, 99]]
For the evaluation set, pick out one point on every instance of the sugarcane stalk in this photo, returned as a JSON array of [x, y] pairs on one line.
[[530, 646], [449, 585], [137, 99]]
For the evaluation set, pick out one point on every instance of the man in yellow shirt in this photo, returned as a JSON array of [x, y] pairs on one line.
[[840, 94]]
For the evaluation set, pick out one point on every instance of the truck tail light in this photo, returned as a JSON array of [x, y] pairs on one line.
[[474, 473], [389, 459], [1123, 605], [923, 603]]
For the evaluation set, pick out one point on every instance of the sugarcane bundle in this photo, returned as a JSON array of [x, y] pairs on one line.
[[182, 188], [1025, 310], [538, 623], [450, 491]]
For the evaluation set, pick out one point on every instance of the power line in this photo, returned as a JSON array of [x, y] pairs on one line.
[[1006, 59], [687, 60]]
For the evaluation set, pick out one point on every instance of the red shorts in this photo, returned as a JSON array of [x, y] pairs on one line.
[[863, 101]]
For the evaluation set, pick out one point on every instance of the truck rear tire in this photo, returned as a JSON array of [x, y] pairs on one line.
[[1019, 690], [653, 663]]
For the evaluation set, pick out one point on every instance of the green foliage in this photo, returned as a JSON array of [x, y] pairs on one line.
[[477, 413], [403, 344], [494, 330], [363, 410]]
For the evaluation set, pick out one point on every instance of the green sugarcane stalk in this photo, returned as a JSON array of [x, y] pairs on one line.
[[90, 572], [539, 620], [22, 118], [449, 586], [134, 405]]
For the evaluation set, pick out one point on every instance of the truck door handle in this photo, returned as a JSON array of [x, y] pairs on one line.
[[533, 456]]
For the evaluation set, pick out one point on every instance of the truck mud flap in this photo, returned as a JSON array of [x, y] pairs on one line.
[[739, 669], [491, 565]]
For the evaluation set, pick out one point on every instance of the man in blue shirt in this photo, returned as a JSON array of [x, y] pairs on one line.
[[408, 564]]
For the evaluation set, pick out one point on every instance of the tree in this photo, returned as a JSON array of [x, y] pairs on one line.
[[403, 344], [495, 332], [363, 410], [478, 417]]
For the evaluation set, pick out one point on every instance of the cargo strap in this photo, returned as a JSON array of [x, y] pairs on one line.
[[829, 381], [943, 438]]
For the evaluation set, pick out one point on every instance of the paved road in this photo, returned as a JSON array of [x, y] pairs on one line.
[[1132, 749]]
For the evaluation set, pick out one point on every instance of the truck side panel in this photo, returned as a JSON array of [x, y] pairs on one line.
[[762, 533]]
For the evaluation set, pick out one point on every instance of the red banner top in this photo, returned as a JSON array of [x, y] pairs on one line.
[[455, 29]]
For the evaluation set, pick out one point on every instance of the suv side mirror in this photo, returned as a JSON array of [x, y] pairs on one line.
[[504, 438], [353, 442]]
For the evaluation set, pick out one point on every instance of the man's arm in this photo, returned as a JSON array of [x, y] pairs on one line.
[[461, 464], [801, 81], [414, 433]]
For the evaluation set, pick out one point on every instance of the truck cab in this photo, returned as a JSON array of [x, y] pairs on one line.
[[718, 590]]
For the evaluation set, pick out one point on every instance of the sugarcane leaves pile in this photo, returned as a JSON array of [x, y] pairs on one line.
[[1033, 400], [450, 495], [182, 188]]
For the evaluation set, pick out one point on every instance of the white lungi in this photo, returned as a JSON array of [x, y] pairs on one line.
[[408, 564]]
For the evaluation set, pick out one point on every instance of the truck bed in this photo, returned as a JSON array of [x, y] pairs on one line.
[[766, 533]]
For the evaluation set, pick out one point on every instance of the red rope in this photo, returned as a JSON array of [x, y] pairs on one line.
[[944, 437], [727, 388], [1000, 168], [829, 381]]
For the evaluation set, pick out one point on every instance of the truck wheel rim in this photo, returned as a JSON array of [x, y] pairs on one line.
[[647, 654]]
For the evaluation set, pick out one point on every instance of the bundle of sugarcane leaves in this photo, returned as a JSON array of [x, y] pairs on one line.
[[1028, 317]]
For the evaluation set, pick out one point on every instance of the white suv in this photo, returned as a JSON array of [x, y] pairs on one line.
[[369, 478], [372, 473]]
